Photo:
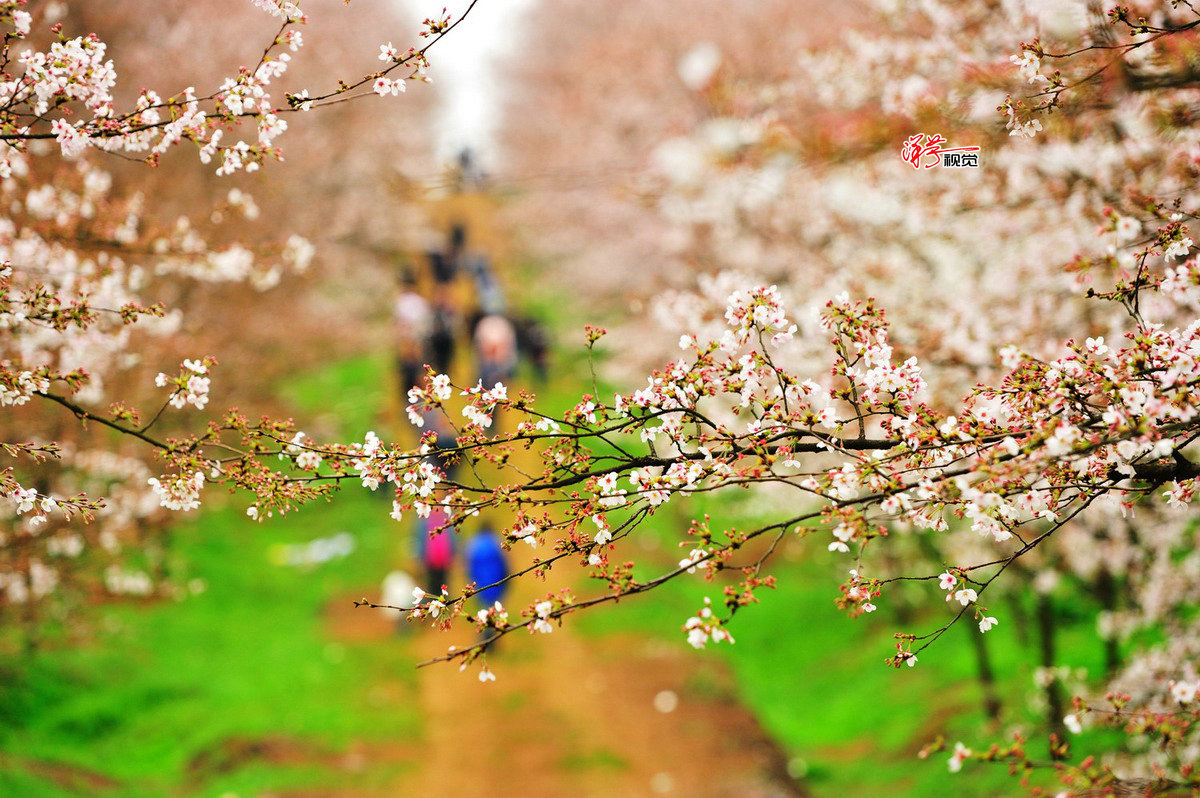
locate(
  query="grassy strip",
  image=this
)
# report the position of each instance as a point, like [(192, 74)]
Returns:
[(236, 687), (818, 682)]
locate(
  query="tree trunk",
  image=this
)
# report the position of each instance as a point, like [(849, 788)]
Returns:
[(1054, 696), (1106, 592), (1020, 618), (30, 637), (987, 677)]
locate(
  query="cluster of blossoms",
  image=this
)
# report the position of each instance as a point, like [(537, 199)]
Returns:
[(959, 755), (494, 616), (68, 313), (1185, 692), (526, 534), (482, 403), (74, 311), (542, 612), (384, 87), (303, 454), (965, 596), (69, 92), (28, 500), (122, 582), (39, 581), (179, 492), (705, 626), (422, 399), (284, 9), (858, 594), (23, 384), (758, 311), (190, 387), (428, 605)]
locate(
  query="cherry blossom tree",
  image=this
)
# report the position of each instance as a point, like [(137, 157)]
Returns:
[(73, 78), (788, 167), (100, 263)]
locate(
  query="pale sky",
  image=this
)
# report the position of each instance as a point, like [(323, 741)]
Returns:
[(465, 72)]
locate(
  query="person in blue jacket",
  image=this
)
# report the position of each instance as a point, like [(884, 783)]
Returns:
[(487, 567)]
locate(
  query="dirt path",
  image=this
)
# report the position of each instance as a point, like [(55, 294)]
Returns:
[(571, 715)]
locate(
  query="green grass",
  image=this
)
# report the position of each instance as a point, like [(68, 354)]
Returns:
[(600, 759), (347, 398), (818, 682), (164, 691)]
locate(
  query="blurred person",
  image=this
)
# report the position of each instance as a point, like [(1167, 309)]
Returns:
[(436, 540), (487, 567), (443, 332), (489, 295), (442, 269), (533, 342), (397, 592), (495, 342), (446, 440), (444, 264), (413, 325), (456, 245), (469, 176)]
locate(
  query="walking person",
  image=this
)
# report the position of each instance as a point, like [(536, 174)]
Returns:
[(397, 596), (436, 539), (495, 349), (533, 342), (489, 294), (456, 248), (413, 319), (443, 333), (445, 441), (444, 264), (487, 567)]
